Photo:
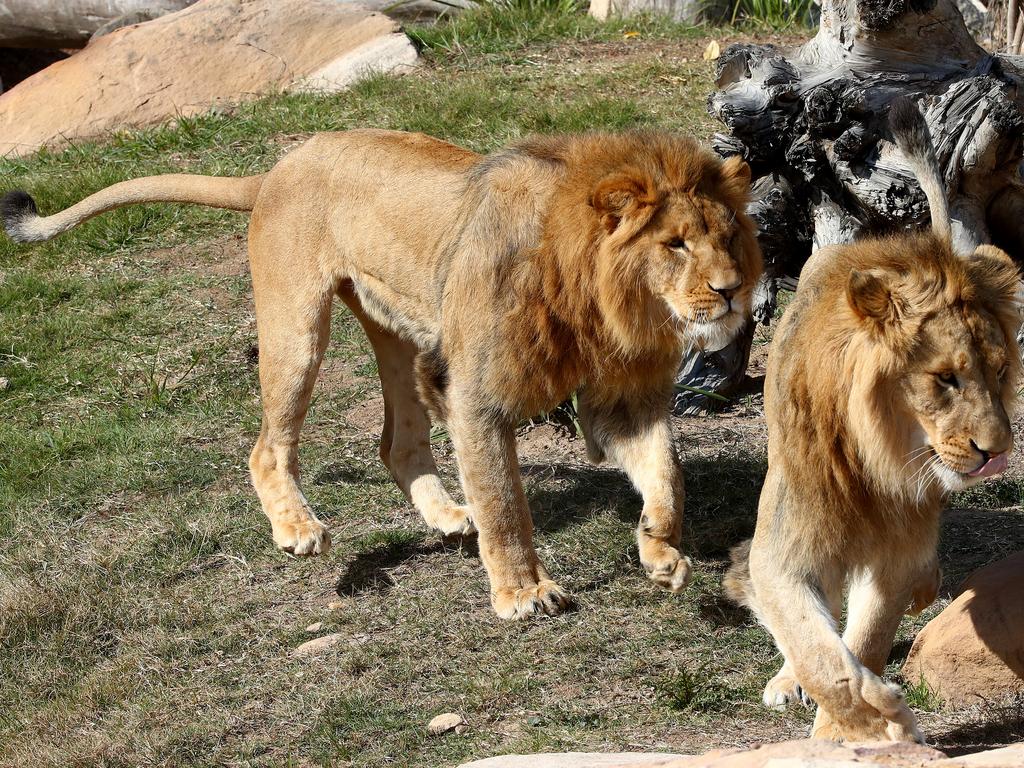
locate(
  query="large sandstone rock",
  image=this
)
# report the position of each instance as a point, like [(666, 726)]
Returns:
[(211, 53), (787, 754), (974, 650)]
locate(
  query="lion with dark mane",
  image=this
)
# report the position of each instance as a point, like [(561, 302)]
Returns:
[(490, 288), (890, 383)]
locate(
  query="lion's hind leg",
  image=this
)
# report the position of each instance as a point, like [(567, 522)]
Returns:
[(405, 438), (783, 689), (293, 322)]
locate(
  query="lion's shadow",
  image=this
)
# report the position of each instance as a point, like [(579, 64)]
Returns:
[(721, 499), (721, 510)]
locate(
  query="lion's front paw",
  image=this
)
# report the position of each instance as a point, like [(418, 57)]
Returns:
[(865, 725), (901, 732), (783, 690), (306, 537), (859, 724), (545, 598), (665, 565), (453, 520)]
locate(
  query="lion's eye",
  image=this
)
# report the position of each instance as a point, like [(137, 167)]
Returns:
[(677, 244), (948, 379)]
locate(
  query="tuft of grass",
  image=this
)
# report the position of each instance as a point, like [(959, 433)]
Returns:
[(775, 14), (999, 493), (700, 692), (922, 696), (507, 26)]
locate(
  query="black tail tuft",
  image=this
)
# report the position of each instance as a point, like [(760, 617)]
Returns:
[(909, 128), (15, 208)]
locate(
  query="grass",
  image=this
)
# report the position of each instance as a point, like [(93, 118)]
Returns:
[(775, 14), (145, 617)]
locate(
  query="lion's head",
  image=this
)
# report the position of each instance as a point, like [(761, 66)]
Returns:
[(672, 255), (939, 335)]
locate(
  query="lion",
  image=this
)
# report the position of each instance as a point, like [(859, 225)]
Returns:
[(491, 288), (890, 384)]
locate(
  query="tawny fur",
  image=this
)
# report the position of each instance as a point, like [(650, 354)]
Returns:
[(867, 436), (494, 287)]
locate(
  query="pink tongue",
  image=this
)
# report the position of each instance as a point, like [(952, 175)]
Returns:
[(993, 466)]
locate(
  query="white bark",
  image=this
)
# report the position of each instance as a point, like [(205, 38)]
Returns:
[(70, 23)]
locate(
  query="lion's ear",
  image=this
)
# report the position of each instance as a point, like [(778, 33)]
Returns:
[(986, 251), (619, 194), (995, 268), (871, 295), (736, 175)]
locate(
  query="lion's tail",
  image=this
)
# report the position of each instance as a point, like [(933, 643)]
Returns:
[(910, 131), (736, 581), (23, 223)]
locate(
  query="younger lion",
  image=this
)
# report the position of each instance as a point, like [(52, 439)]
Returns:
[(889, 385), (495, 286)]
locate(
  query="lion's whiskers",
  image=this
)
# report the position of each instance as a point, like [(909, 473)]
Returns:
[(914, 455)]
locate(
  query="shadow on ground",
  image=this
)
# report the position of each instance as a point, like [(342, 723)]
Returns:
[(721, 499)]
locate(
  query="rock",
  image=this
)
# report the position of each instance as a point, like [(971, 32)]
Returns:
[(213, 53), (335, 605), (417, 10), (575, 760), (449, 721), (318, 645), (787, 754), (315, 627), (974, 650), (993, 758), (4, 383)]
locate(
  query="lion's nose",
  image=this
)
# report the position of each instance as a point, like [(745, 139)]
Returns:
[(993, 449), (992, 462), (726, 291)]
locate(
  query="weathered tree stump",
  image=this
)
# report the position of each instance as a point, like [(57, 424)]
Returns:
[(812, 123)]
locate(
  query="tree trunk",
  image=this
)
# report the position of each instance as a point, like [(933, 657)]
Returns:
[(812, 122), (71, 23)]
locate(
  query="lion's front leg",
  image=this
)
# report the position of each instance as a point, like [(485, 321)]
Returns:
[(485, 449), (637, 436), (854, 703)]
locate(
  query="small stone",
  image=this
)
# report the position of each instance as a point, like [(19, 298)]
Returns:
[(461, 728), (315, 627), (335, 605), (318, 645), (4, 383), (449, 721)]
